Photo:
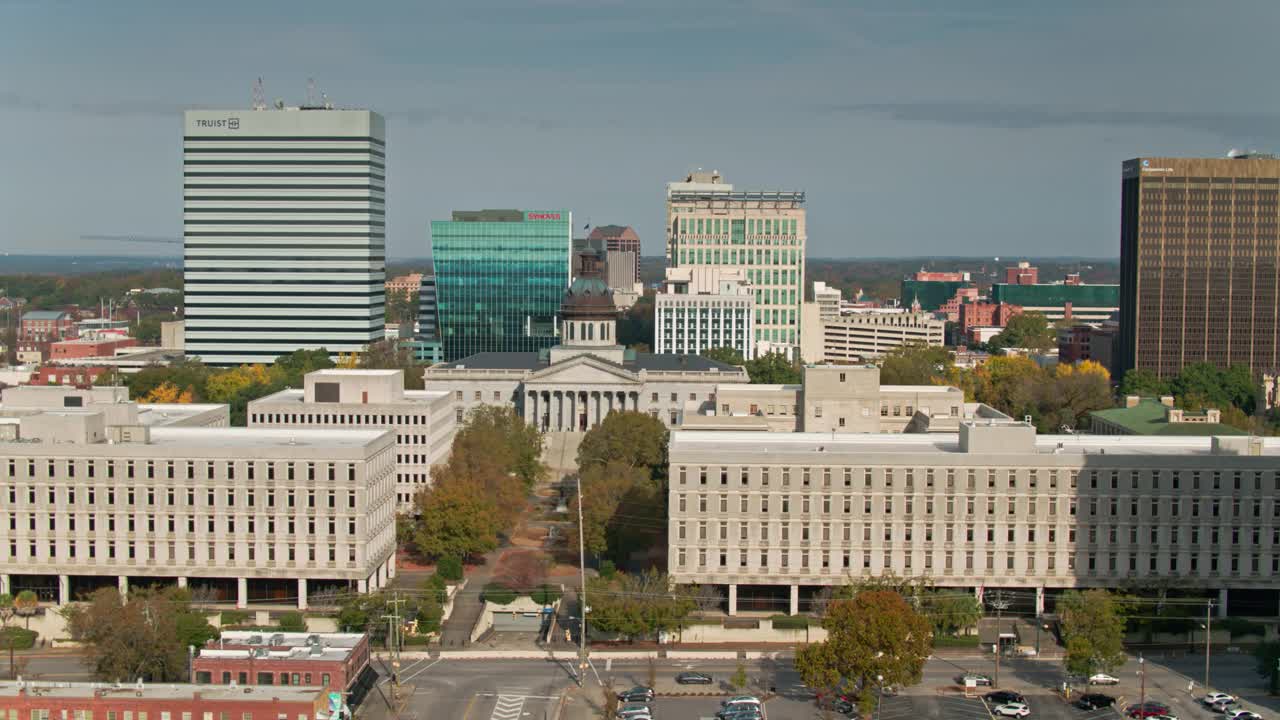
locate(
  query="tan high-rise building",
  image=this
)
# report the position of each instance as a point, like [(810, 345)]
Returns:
[(709, 224), (1199, 263)]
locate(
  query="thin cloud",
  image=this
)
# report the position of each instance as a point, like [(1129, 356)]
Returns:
[(1034, 117)]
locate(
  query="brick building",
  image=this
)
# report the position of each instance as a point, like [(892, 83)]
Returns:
[(1024, 273), (619, 238), (984, 314), (404, 285), (68, 374), (46, 326), (29, 700), (83, 348), (333, 662), (951, 308)]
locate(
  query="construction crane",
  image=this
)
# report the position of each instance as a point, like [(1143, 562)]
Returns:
[(134, 238)]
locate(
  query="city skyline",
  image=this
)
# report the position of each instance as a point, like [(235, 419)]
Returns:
[(878, 105)]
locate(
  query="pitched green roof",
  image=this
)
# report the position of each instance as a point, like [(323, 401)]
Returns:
[(1148, 418)]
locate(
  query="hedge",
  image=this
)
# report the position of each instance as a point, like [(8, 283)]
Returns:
[(449, 568), (292, 621), (498, 594), (791, 622), (959, 641), (234, 617), (21, 638)]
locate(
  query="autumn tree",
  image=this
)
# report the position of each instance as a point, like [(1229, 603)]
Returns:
[(457, 517), (1073, 391), (144, 636), (623, 463), (25, 605), (950, 611), (915, 364), (166, 393), (497, 438), (1092, 624), (875, 638)]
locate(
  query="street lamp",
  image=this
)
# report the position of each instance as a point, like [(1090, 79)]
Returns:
[(1142, 671)]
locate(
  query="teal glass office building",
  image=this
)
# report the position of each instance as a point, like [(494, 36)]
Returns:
[(500, 276)]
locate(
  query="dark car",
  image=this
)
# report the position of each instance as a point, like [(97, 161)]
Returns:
[(1000, 697), (837, 704), (636, 694), (1094, 701), (693, 678), (1146, 710)]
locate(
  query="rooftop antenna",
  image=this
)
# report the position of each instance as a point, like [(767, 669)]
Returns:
[(311, 92), (259, 97)]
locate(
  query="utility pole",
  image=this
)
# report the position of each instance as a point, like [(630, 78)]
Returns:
[(1208, 633), (582, 592), (1142, 670), (1000, 603), (393, 644)]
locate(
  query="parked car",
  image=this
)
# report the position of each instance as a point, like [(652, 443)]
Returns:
[(977, 678), (740, 700), (1241, 715), (1215, 697), (1017, 710), (740, 712), (637, 694), (1000, 697), (633, 711), (1103, 679), (1225, 706), (1165, 717), (1149, 709), (693, 678), (837, 704), (1094, 701)]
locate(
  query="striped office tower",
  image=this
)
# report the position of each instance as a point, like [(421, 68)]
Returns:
[(284, 230)]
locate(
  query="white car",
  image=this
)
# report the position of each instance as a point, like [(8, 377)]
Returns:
[(1017, 710), (633, 711), (1216, 697), (1241, 715), (1103, 679)]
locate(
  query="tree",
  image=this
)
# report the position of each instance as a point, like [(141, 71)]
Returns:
[(739, 678), (1093, 629), (430, 614), (7, 610), (25, 604), (952, 612), (726, 355), (1143, 383), (449, 568), (637, 606), (873, 639), (144, 636), (634, 439), (524, 569), (457, 518), (167, 392), (916, 364), (391, 355), (607, 491), (292, 621), (1030, 330), (496, 438), (1073, 392), (773, 368)]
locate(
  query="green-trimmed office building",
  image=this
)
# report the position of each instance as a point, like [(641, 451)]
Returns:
[(1089, 303), (500, 276)]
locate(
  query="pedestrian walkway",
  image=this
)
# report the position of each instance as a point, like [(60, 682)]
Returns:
[(455, 633)]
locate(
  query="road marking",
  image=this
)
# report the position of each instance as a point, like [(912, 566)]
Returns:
[(508, 707), (419, 672), (467, 713)]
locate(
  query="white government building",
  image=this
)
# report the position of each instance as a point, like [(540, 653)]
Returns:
[(702, 308), (773, 518), (101, 492), (283, 231)]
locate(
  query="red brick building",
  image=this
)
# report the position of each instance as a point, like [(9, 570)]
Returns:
[(63, 701), (952, 307), (1023, 273), (1075, 344), (336, 662), (46, 326), (69, 349), (68, 374), (983, 314)]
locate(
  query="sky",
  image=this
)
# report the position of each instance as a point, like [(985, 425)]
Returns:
[(916, 127)]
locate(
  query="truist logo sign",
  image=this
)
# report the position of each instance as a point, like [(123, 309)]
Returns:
[(543, 216), (225, 124)]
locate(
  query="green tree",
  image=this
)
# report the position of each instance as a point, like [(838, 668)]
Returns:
[(143, 636), (951, 611), (292, 621), (872, 639), (773, 368), (1071, 393), (739, 678), (1093, 629), (25, 604), (631, 438), (637, 606), (430, 614), (916, 364), (1030, 330), (726, 355), (449, 568), (497, 437), (1143, 383)]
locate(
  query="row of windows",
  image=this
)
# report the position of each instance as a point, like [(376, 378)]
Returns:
[(353, 419), (808, 560), (169, 497), (766, 531), (753, 226), (171, 469), (225, 552), (205, 677), (172, 522), (1010, 478)]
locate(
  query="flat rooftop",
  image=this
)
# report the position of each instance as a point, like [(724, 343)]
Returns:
[(161, 691), (939, 389), (161, 414), (754, 444), (321, 647)]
